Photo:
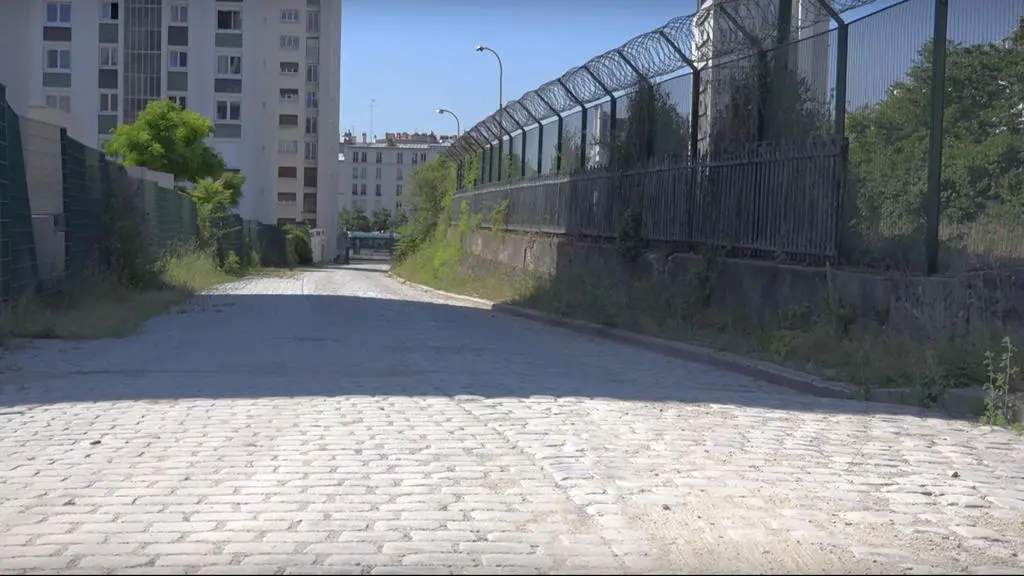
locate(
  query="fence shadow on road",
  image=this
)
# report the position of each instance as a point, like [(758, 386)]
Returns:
[(274, 346)]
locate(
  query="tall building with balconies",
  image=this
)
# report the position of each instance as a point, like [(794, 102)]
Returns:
[(265, 73)]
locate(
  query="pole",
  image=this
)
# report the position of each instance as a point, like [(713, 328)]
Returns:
[(372, 102), (932, 208)]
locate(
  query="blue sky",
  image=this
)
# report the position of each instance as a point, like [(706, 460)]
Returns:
[(413, 56)]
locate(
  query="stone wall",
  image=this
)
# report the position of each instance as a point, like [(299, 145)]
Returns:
[(992, 302)]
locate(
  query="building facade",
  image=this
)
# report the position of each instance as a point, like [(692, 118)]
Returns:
[(375, 175), (265, 73)]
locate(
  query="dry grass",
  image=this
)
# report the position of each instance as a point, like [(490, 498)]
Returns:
[(98, 307), (869, 359)]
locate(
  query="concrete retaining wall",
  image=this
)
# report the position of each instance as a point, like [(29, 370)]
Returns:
[(992, 301)]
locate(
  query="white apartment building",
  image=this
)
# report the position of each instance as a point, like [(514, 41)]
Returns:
[(374, 175), (266, 73)]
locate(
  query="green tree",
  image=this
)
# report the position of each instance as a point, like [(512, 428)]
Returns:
[(214, 200), (983, 140), (354, 220), (398, 219), (168, 139), (431, 187), (380, 219)]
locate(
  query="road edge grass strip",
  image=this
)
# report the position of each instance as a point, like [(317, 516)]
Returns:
[(771, 373), (98, 306)]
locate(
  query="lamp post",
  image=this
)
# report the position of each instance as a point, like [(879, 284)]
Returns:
[(501, 100), (458, 125), (501, 73)]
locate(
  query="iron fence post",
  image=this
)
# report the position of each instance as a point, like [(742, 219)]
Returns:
[(932, 201)]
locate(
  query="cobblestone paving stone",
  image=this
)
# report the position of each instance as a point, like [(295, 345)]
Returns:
[(340, 422)]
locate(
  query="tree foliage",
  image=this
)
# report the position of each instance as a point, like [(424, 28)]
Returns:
[(431, 187), (354, 220), (168, 139), (983, 139), (380, 220)]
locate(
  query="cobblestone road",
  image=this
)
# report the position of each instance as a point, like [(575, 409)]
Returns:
[(340, 422)]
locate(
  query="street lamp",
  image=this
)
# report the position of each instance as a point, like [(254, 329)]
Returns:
[(501, 73), (458, 125)]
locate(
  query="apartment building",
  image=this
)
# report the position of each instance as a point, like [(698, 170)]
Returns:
[(266, 73), (375, 174)]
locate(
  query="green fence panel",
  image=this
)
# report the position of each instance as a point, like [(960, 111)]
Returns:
[(19, 271)]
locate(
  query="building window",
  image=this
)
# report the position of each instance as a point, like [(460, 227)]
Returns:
[(363, 155), (377, 175), (311, 122), (228, 65), (289, 42), (362, 173), (413, 158), (362, 189), (177, 60), (288, 120), (398, 173), (398, 190), (179, 100), (286, 197), (312, 49), (289, 67), (313, 22), (58, 59), (355, 172), (309, 177), (60, 102), (376, 191), (355, 189), (109, 11), (229, 110), (289, 15), (229, 20), (311, 100), (289, 94), (380, 158), (58, 13), (108, 56), (108, 101), (312, 73), (423, 157), (287, 146), (400, 158), (179, 13), (287, 172), (311, 151)]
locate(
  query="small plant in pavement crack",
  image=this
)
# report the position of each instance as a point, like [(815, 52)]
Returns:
[(999, 405)]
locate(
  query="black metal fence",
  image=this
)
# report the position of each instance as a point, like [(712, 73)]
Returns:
[(935, 164), (777, 200)]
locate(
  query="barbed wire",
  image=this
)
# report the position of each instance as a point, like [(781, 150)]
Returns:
[(741, 28)]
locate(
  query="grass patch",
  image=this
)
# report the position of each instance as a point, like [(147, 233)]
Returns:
[(100, 307), (823, 345)]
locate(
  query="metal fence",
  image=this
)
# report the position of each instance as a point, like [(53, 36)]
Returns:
[(778, 200), (66, 211), (933, 180)]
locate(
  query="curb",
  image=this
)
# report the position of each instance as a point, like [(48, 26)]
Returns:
[(767, 372)]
